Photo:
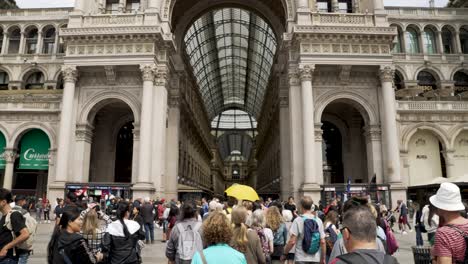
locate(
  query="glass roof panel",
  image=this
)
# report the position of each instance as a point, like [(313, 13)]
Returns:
[(231, 51)]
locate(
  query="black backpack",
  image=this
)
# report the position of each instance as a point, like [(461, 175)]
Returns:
[(465, 236), (354, 258)]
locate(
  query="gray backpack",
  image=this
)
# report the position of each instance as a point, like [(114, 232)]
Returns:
[(190, 240)]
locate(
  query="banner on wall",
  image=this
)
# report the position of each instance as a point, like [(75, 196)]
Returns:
[(34, 151), (2, 151)]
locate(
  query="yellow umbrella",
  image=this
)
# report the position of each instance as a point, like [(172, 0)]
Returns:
[(242, 192)]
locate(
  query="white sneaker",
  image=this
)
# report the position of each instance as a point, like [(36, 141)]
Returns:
[(411, 230), (404, 233)]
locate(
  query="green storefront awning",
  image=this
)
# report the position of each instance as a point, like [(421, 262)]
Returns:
[(2, 151), (34, 151)]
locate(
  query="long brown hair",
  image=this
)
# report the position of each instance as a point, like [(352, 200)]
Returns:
[(90, 223), (239, 232), (273, 218)]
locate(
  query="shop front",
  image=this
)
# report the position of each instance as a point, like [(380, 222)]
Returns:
[(100, 192), (377, 193)]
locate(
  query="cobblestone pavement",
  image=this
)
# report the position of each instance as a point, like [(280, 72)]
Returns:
[(155, 253)]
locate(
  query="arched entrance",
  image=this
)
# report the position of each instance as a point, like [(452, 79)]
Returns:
[(344, 148), (112, 143), (31, 166)]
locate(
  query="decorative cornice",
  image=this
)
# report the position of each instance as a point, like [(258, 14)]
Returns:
[(69, 73), (386, 74), (305, 72), (147, 71), (344, 30)]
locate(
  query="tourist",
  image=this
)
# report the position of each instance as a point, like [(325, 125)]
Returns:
[(120, 243), (172, 219), (450, 245), (217, 234), (11, 221), (245, 240), (359, 232), (165, 215), (67, 245), (288, 217), (265, 234), (47, 207), (188, 225), (136, 216), (403, 218), (332, 233), (58, 210), (339, 247), (39, 210), (148, 220), (418, 225), (430, 219), (92, 230), (297, 235), (204, 207), (274, 221)]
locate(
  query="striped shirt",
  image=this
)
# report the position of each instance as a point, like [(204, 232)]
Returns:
[(450, 243)]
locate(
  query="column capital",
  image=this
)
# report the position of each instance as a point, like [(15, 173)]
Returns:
[(84, 132), (372, 133), (386, 73), (10, 155), (161, 76), (69, 73), (305, 72), (293, 77), (147, 71)]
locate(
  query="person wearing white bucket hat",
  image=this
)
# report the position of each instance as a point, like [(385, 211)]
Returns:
[(450, 242)]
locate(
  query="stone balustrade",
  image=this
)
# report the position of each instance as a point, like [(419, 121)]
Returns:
[(432, 106), (342, 19), (425, 11), (36, 12), (111, 19)]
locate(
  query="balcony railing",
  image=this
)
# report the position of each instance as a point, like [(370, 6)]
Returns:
[(342, 19), (112, 19), (35, 12), (426, 11), (432, 106)]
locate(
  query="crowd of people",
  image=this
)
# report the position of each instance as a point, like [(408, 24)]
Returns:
[(230, 231)]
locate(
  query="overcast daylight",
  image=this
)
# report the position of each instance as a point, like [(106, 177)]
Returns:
[(68, 3)]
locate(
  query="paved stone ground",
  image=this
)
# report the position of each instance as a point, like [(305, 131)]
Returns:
[(155, 253)]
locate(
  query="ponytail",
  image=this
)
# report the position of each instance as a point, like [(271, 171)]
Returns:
[(122, 209)]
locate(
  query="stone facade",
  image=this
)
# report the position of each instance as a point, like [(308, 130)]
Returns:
[(81, 74)]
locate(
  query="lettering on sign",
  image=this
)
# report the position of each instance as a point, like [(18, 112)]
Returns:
[(421, 157), (31, 154)]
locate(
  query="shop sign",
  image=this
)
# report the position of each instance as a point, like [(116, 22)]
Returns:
[(34, 151)]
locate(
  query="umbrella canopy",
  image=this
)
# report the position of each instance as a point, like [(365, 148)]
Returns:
[(242, 192)]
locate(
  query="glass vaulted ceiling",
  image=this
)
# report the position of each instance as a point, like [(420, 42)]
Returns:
[(231, 52)]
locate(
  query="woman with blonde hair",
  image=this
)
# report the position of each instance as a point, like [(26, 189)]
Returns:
[(245, 240), (264, 233), (92, 229), (275, 222), (217, 234)]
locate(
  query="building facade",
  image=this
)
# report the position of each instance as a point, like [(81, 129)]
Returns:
[(183, 98)]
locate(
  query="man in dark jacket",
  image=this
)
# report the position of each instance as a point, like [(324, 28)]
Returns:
[(147, 213), (359, 232)]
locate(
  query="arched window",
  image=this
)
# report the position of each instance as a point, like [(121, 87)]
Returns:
[(398, 81), (464, 40), (4, 80), (132, 6), (398, 47), (324, 6), (112, 6), (345, 6), (461, 82), (412, 41), (14, 43), (447, 38), (427, 81), (31, 41), (49, 41), (429, 41), (35, 80), (60, 82)]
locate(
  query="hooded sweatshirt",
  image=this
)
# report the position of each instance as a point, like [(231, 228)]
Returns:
[(118, 248), (74, 247)]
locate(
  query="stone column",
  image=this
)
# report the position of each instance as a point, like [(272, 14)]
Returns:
[(378, 5), (372, 135), (449, 163), (144, 185), (295, 128), (22, 43), (10, 157), (390, 136), (310, 186), (303, 12), (159, 127), (5, 43), (284, 145), (458, 49), (172, 145), (57, 41), (84, 138), (40, 42), (319, 152), (440, 44), (69, 74)]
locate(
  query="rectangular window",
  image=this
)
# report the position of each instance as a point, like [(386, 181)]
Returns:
[(343, 7), (322, 7)]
